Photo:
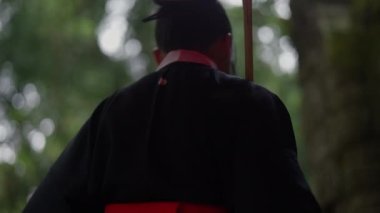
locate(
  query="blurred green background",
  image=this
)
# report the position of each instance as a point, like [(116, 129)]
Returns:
[(60, 58)]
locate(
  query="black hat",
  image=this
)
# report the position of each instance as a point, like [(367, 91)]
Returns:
[(169, 7), (189, 24)]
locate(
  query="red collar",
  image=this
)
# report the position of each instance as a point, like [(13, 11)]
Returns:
[(186, 56)]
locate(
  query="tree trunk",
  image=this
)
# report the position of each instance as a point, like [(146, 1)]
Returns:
[(338, 42)]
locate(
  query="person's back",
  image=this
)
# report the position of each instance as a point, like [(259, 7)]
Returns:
[(211, 138), (187, 133)]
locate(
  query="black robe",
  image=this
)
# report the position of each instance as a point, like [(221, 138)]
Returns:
[(201, 136)]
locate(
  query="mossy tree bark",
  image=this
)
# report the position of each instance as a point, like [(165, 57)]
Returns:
[(338, 42)]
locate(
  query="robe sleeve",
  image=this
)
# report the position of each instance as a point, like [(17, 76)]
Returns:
[(288, 187), (268, 177), (65, 189)]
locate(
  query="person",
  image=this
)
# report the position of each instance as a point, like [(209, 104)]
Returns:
[(188, 134)]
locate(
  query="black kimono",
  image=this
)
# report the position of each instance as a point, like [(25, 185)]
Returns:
[(184, 133)]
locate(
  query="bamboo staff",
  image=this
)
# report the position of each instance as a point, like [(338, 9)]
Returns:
[(248, 37)]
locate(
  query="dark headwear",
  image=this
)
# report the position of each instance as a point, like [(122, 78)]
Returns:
[(189, 24)]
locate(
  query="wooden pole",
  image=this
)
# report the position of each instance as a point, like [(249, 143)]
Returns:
[(248, 37)]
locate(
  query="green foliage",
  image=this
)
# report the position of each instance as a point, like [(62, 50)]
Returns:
[(53, 45)]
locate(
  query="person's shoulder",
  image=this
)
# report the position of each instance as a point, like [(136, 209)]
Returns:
[(246, 90), (137, 89), (144, 84), (252, 97), (130, 93)]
